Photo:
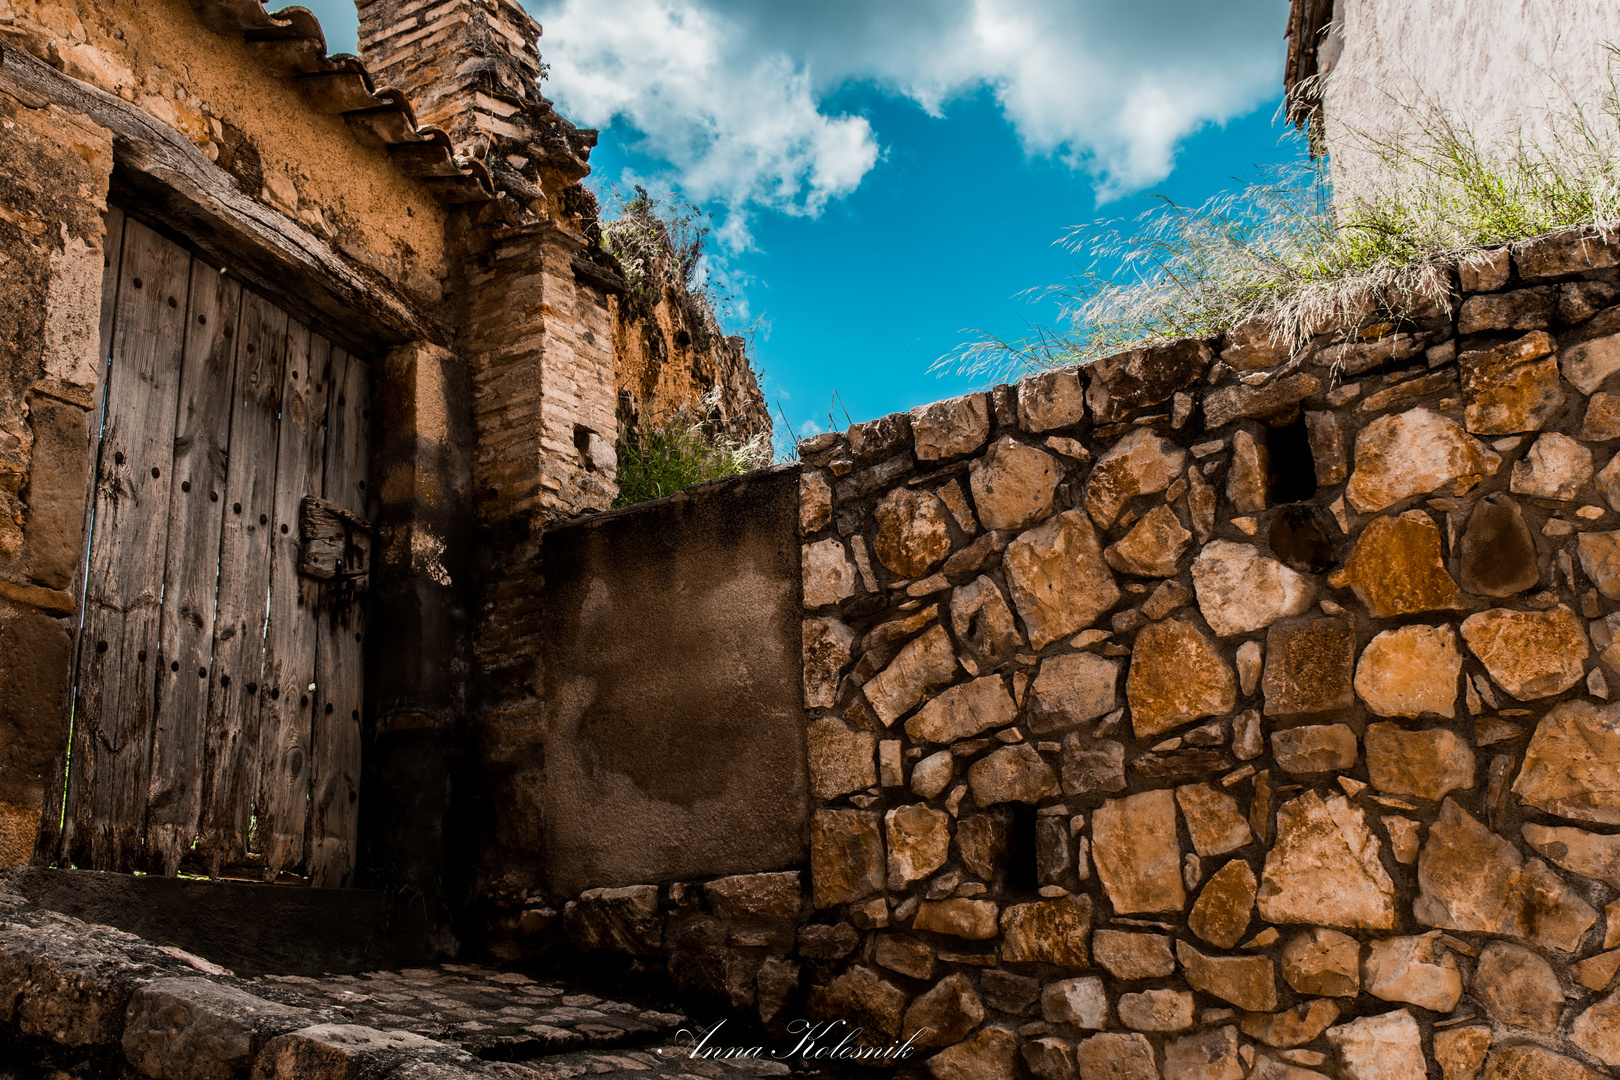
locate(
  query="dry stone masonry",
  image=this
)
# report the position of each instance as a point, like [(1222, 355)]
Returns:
[(1213, 712)]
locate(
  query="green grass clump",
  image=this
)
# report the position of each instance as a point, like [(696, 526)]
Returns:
[(1284, 250), (660, 457)]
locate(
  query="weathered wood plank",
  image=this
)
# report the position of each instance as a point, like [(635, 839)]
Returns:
[(190, 583), (339, 675), (48, 846), (231, 745), (113, 724), (289, 643)]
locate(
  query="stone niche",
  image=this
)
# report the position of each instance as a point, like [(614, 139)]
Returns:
[(674, 740)]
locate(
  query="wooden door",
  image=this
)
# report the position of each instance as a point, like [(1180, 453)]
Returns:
[(217, 697)]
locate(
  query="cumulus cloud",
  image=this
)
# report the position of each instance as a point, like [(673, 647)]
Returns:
[(732, 93)]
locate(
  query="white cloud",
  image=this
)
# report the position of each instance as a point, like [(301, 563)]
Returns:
[(731, 93)]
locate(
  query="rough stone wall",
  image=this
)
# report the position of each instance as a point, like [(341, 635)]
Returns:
[(54, 168), (1384, 62), (1210, 712)]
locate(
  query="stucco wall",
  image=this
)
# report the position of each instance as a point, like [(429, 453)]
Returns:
[(1503, 67)]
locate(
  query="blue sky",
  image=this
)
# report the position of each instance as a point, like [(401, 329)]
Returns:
[(887, 176)]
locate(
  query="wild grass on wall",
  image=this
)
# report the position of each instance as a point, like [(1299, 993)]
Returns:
[(1284, 249), (671, 453)]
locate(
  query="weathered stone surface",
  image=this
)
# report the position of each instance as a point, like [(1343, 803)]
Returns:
[(1427, 763), (1136, 379), (1530, 654), (1600, 558), (1323, 962), (1059, 581), (1597, 972), (1517, 987), (1327, 448), (1156, 1010), (1608, 482), (1410, 671), (1597, 1030), (1249, 982), (1469, 878), (1308, 667), (194, 1029), (1246, 484), (1414, 453), (919, 840), (1137, 852), (1239, 590), (1090, 770), (1460, 1051), (1414, 970), (1177, 676), (945, 1014), (1112, 1056), (1222, 912), (981, 844), (1557, 467), (971, 919), (925, 664), (1082, 1002), (1141, 463), (823, 942), (1292, 1027), (343, 1050), (755, 896), (1053, 859), (911, 535), (1207, 1055), (1200, 504), (1513, 387), (1047, 931), (984, 623), (1275, 398), (1315, 748), (950, 428), (1578, 301), (932, 774), (1602, 420), (815, 502), (1012, 774), (906, 955), (1572, 766), (827, 646), (861, 998), (846, 856), (1324, 868), (1072, 689), (1593, 855), (963, 711), (873, 440), (1498, 550), (841, 760), (1520, 309), (1590, 363), (1127, 955), (1530, 1062), (828, 574), (1013, 483), (990, 1054), (1384, 1047), (1214, 821), (623, 920), (1049, 1059), (1153, 547), (1051, 400), (1395, 568)]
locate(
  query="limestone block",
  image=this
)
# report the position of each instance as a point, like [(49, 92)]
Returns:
[(925, 664), (1207, 1055), (1384, 1047), (1051, 400), (1140, 463), (981, 844), (1590, 363), (950, 428), (625, 920), (1059, 582), (911, 534), (1291, 1027), (1511, 388), (822, 942), (1410, 671), (1572, 765), (1327, 448), (828, 644), (984, 624), (1090, 770), (1324, 868), (1600, 559), (841, 760), (1520, 309), (1414, 970), (347, 1050), (1222, 911), (1011, 774), (1315, 748), (1557, 467), (1047, 932), (1249, 982), (1428, 764), (1255, 344), (1460, 1051), (945, 1014), (1498, 551), (1157, 1010), (990, 1054), (1530, 654), (1137, 852), (1081, 1002), (919, 842), (877, 439), (1597, 1030), (932, 774), (1114, 1056), (1517, 987), (1308, 667), (1176, 676), (1013, 484), (1240, 591), (815, 502), (829, 576), (1323, 962), (1246, 484), (964, 711), (1485, 271), (195, 1029), (1593, 855), (1527, 1061), (1239, 401), (1602, 420), (1214, 821), (846, 856), (1608, 481), (1395, 567), (1153, 547), (772, 896), (971, 919), (1072, 689), (1414, 453), (861, 998), (1127, 955)]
